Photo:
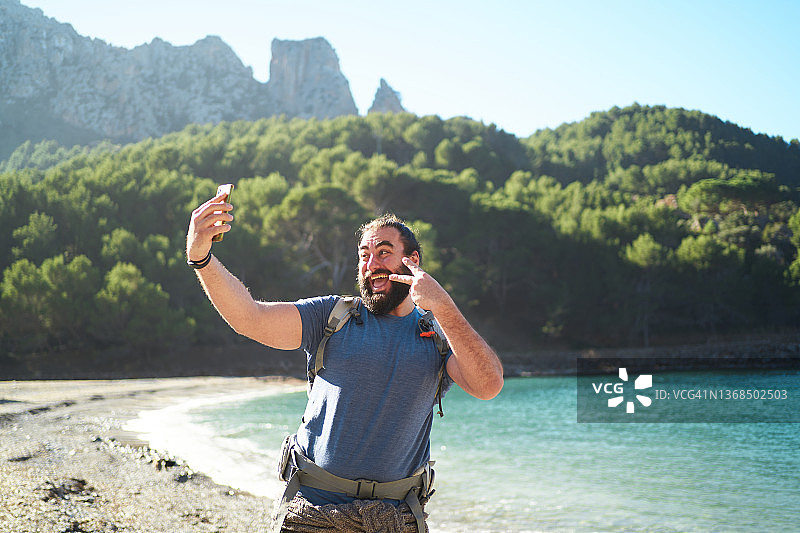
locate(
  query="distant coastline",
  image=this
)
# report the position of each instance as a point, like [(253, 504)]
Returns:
[(252, 359), (767, 351)]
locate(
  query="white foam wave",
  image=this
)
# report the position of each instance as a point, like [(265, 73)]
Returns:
[(237, 462)]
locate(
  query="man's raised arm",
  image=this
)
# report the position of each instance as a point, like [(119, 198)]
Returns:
[(275, 324)]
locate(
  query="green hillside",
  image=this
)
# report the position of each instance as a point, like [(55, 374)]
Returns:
[(635, 226)]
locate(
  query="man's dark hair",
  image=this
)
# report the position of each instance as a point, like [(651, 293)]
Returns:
[(409, 240)]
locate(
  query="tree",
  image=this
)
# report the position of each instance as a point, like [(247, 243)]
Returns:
[(711, 271), (71, 285), (23, 300), (425, 134), (378, 183), (318, 224), (450, 155), (319, 168), (651, 258), (37, 238), (121, 246), (131, 309)]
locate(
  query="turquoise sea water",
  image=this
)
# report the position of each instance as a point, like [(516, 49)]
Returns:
[(521, 462)]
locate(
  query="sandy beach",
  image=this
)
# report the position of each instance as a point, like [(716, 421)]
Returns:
[(68, 465)]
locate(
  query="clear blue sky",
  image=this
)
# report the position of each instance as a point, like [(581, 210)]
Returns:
[(521, 64)]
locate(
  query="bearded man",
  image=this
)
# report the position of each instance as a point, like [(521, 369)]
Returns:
[(360, 458)]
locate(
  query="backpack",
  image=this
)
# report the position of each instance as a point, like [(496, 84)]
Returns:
[(349, 307)]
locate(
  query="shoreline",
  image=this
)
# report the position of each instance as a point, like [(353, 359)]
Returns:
[(248, 359), (69, 461)]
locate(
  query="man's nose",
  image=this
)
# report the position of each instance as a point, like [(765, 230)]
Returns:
[(373, 263)]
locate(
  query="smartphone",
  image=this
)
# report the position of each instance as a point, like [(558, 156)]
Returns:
[(226, 189)]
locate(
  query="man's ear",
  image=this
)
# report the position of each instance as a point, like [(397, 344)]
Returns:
[(414, 257)]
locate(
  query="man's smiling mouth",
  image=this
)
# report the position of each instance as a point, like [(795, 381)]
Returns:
[(379, 281)]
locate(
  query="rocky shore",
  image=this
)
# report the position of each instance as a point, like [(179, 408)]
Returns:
[(67, 464)]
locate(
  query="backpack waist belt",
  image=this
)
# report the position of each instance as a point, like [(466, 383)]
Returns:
[(302, 471)]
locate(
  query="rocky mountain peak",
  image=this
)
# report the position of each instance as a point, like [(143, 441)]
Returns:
[(56, 84), (305, 80), (386, 100)]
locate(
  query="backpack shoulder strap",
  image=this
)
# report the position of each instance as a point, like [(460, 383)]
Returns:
[(346, 306), (429, 327)]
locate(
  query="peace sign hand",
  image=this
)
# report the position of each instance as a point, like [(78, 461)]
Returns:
[(425, 290)]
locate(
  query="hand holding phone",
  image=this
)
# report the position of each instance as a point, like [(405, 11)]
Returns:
[(226, 189)]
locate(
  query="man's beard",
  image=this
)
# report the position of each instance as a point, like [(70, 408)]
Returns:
[(383, 303)]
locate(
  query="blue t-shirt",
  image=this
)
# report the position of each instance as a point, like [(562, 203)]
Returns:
[(370, 410)]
